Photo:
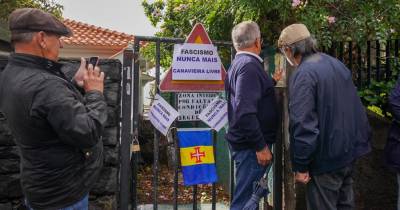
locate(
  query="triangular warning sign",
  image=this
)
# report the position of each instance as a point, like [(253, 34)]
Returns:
[(197, 36)]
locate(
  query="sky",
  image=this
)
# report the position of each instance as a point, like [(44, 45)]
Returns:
[(121, 15)]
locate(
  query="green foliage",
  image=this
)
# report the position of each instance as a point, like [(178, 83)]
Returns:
[(165, 54), (375, 96), (328, 20), (7, 6), (379, 111)]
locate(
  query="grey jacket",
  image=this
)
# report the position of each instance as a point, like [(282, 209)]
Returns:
[(56, 129)]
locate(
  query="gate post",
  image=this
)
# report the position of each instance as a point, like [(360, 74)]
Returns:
[(288, 176), (278, 150), (135, 121), (126, 120)]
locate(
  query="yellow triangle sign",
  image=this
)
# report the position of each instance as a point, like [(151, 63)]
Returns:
[(198, 40)]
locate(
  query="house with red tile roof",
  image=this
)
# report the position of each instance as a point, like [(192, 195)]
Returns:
[(89, 40)]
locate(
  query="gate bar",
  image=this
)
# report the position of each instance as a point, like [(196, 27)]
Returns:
[(378, 59), (156, 134), (176, 160), (359, 67), (195, 197), (332, 50), (351, 56), (396, 52), (388, 71), (368, 63), (214, 187), (232, 164), (341, 51), (175, 40), (195, 187)]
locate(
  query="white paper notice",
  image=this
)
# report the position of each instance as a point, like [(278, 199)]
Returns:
[(162, 115), (190, 105), (196, 62), (215, 114)]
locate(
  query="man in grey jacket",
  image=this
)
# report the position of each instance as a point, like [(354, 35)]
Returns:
[(57, 129)]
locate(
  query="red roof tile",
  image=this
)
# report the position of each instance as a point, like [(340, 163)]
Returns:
[(85, 34)]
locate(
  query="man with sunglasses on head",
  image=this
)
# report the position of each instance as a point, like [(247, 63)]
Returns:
[(57, 128), (329, 128), (252, 112)]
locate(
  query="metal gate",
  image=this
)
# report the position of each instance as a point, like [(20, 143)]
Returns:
[(129, 155)]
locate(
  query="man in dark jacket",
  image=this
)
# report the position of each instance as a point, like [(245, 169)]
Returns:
[(56, 128), (392, 148), (329, 128), (252, 112)]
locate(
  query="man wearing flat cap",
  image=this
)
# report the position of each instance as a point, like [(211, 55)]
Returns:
[(329, 128), (57, 121)]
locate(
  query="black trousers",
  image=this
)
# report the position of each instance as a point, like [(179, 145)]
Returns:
[(331, 191)]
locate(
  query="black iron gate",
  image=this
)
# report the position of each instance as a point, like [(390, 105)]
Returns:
[(130, 133)]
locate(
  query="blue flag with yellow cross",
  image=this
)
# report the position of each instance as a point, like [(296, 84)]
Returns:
[(197, 156)]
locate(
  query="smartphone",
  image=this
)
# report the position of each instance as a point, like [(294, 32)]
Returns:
[(93, 60)]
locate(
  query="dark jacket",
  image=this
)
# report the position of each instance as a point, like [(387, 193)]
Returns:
[(57, 131), (252, 108), (329, 127), (392, 148)]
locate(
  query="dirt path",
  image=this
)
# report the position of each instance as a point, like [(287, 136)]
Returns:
[(166, 188)]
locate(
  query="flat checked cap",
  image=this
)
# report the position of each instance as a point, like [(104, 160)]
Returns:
[(293, 34), (33, 20)]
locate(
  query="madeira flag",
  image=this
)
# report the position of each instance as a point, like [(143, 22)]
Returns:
[(197, 156)]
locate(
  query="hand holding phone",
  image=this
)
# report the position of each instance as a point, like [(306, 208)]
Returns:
[(84, 67), (94, 60), (93, 78)]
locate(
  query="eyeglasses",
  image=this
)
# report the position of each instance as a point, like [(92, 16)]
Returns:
[(282, 51)]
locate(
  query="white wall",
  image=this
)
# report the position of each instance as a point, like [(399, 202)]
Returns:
[(75, 51)]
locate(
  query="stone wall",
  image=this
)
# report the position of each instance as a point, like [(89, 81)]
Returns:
[(375, 187), (104, 194)]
